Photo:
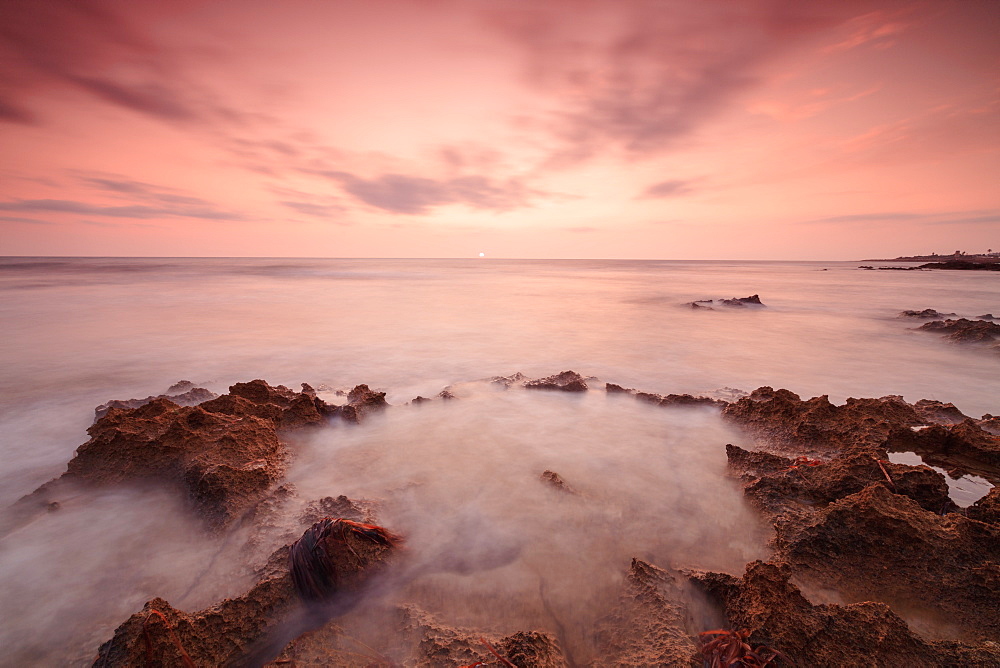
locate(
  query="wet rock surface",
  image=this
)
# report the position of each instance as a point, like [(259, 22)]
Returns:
[(964, 330), (647, 626), (927, 313), (567, 381), (735, 302), (783, 419), (766, 603), (665, 399)]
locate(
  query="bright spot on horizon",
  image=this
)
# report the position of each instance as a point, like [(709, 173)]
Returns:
[(482, 255)]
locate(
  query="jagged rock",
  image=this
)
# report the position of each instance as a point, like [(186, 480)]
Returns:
[(225, 454), (782, 418), (964, 330), (285, 408), (646, 627), (509, 381), (343, 507), (567, 381), (933, 411), (966, 439), (678, 399), (987, 316), (990, 424), (876, 545), (362, 402), (766, 603), (183, 394), (440, 645), (665, 399), (986, 509), (752, 300), (160, 635), (926, 313), (236, 631), (777, 483), (556, 481)]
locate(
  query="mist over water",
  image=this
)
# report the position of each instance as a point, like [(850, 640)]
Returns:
[(458, 478)]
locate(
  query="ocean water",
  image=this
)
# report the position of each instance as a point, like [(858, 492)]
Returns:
[(461, 475)]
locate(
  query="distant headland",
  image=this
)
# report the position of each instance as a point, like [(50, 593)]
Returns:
[(990, 256)]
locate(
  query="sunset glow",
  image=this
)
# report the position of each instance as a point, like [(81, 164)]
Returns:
[(437, 128)]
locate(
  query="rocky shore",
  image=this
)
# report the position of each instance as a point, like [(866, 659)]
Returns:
[(872, 562)]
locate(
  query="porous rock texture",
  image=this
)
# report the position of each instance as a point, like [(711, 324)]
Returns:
[(767, 604)]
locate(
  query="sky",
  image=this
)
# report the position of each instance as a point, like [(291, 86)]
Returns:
[(661, 129)]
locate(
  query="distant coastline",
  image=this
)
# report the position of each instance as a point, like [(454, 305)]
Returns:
[(988, 257)]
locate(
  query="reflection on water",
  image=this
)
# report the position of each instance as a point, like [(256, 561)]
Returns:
[(964, 490)]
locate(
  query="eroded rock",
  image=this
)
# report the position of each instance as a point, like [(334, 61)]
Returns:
[(567, 381), (964, 330), (646, 627), (183, 393), (883, 546), (766, 603), (927, 313), (781, 418)]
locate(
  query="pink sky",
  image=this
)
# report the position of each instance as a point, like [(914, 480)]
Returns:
[(743, 129)]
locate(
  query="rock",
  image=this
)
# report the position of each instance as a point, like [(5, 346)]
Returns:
[(556, 481), (567, 381), (611, 388), (224, 454), (340, 507), (646, 626), (509, 381), (160, 635), (438, 644), (986, 509), (182, 394), (964, 330), (876, 545), (678, 400), (936, 412), (285, 408), (987, 316), (361, 403), (966, 439), (776, 484), (962, 264), (238, 631), (774, 611), (781, 418), (335, 556), (926, 313), (990, 424), (752, 300)]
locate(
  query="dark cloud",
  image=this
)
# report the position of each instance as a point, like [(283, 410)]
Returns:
[(313, 209), (975, 217), (29, 221), (660, 70), (138, 190), (671, 188), (75, 43), (130, 211), (416, 195)]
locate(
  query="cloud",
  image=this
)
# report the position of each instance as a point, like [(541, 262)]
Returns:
[(313, 209), (639, 76), (77, 43), (130, 211), (29, 221), (416, 195), (974, 217), (671, 188)]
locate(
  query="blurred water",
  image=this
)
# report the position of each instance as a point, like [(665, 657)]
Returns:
[(78, 332)]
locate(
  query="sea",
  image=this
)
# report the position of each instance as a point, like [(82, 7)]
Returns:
[(458, 476)]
